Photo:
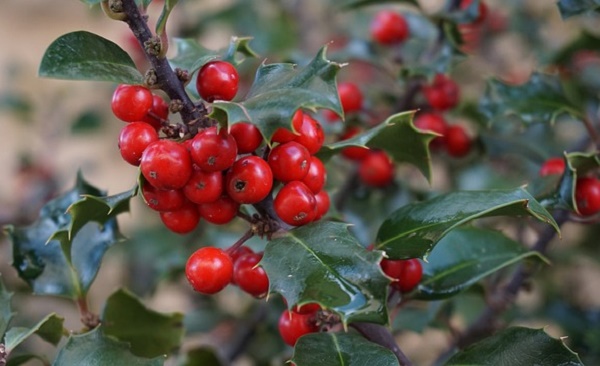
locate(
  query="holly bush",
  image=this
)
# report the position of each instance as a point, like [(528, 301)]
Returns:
[(336, 177)]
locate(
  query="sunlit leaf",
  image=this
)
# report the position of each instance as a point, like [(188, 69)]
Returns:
[(49, 329)]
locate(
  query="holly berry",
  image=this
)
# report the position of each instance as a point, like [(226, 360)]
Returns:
[(247, 137), (323, 203), (309, 308), (161, 199), (213, 151), (293, 325), (166, 164), (309, 132), (316, 176), (389, 27), (587, 195), (289, 161), (249, 180), (295, 204), (204, 187), (183, 220), (283, 135), (158, 112), (552, 166), (442, 94), (351, 97), (353, 152), (209, 270), (458, 143), (482, 10), (250, 277), (131, 103), (238, 253), (219, 212), (134, 139), (432, 122), (406, 273), (376, 170), (217, 80)]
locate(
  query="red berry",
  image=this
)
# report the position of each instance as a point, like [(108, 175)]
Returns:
[(134, 139), (442, 94), (309, 308), (458, 143), (209, 270), (130, 103), (294, 325), (240, 252), (247, 137), (166, 164), (295, 204), (350, 96), (283, 135), (183, 220), (289, 161), (323, 203), (213, 151), (482, 10), (432, 122), (249, 180), (376, 170), (217, 80), (250, 277), (353, 152), (158, 112), (406, 273), (219, 212), (316, 176), (203, 187), (310, 132), (162, 200), (389, 27), (553, 166), (587, 195)]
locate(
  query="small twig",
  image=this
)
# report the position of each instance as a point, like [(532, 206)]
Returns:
[(591, 129), (235, 246), (382, 336), (89, 319)]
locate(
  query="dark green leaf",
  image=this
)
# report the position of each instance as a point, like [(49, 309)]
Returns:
[(201, 356), (353, 4), (86, 56), (49, 329), (323, 263), (398, 136), (42, 262), (340, 349), (149, 333), (6, 312), (517, 346), (413, 230), (541, 99), (281, 89), (569, 8), (96, 349), (465, 256)]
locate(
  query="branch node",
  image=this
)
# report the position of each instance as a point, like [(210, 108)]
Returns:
[(111, 11), (183, 75), (153, 46), (175, 106), (150, 78)]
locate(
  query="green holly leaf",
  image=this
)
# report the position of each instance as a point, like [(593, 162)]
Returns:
[(464, 257), (96, 349), (49, 329), (6, 312), (517, 346), (86, 56), (413, 230), (323, 263), (281, 89), (569, 8), (149, 333), (23, 359), (340, 349), (398, 136), (42, 263), (354, 4), (541, 99), (201, 356)]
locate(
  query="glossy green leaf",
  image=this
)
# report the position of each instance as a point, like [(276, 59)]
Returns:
[(464, 257), (96, 349), (413, 230), (281, 89), (340, 349), (49, 329), (149, 333), (42, 262), (517, 346), (398, 136), (6, 312), (161, 24), (569, 8), (323, 263), (86, 56), (541, 99), (354, 4)]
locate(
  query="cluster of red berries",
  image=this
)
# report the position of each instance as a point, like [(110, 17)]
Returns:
[(453, 138), (406, 273), (587, 189), (471, 32)]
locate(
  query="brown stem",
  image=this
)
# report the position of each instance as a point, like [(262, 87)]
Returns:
[(382, 336), (247, 235), (89, 319), (194, 115), (594, 136)]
